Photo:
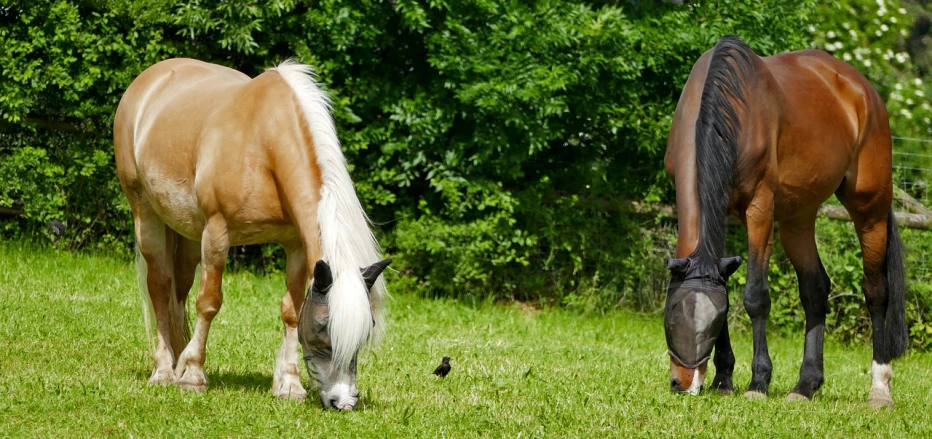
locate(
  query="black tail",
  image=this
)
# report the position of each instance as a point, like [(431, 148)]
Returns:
[(718, 128), (896, 334)]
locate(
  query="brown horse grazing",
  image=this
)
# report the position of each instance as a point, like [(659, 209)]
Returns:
[(769, 139), (210, 158)]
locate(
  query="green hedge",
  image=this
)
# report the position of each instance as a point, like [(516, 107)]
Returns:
[(494, 143)]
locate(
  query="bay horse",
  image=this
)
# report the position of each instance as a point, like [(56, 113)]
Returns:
[(768, 139), (210, 158)]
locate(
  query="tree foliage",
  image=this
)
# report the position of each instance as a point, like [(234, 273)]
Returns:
[(493, 142)]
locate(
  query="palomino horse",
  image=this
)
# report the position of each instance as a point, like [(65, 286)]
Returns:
[(769, 139), (210, 158)]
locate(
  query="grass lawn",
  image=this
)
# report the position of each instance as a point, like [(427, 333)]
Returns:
[(74, 363)]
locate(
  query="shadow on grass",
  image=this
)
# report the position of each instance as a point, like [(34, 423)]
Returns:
[(245, 381), (252, 382)]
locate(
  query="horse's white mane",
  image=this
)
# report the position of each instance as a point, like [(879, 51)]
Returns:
[(346, 240)]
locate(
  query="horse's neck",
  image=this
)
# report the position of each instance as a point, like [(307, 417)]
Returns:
[(687, 201)]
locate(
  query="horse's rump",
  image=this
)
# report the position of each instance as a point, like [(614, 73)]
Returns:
[(200, 139)]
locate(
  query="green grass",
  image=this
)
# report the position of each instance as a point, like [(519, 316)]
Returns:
[(74, 363)]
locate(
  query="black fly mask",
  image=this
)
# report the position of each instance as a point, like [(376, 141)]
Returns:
[(697, 303)]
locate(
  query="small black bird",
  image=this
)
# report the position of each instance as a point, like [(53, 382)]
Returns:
[(444, 368)]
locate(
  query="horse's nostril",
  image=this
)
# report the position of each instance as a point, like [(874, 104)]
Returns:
[(674, 383), (333, 402)]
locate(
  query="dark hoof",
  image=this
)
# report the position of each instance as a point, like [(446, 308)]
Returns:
[(762, 389), (723, 386)]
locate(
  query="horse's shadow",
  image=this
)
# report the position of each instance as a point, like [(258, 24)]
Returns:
[(259, 383), (252, 382)]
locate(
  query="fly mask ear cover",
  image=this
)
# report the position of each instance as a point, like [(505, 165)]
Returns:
[(697, 301)]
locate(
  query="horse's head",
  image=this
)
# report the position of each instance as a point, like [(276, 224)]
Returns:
[(337, 385), (696, 310)]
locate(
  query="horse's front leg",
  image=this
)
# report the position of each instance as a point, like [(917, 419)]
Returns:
[(724, 360), (286, 381), (759, 221), (214, 248)]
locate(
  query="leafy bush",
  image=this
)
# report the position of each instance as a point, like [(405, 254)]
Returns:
[(496, 144)]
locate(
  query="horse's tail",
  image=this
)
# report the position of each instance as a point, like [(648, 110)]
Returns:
[(718, 128), (179, 331), (346, 241), (896, 335)]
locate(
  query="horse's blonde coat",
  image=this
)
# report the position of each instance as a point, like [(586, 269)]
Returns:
[(210, 158), (346, 241)]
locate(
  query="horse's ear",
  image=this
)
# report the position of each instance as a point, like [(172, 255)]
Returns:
[(728, 266), (372, 272), (677, 266), (323, 278)]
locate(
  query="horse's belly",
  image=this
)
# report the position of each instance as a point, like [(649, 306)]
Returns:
[(802, 192), (262, 232)]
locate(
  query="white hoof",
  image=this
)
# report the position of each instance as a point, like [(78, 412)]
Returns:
[(879, 399), (291, 389), (162, 376), (191, 377)]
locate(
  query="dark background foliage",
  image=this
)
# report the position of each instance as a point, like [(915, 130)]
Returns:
[(496, 144)]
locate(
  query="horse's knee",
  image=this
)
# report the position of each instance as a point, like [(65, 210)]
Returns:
[(209, 302), (757, 299), (290, 310)]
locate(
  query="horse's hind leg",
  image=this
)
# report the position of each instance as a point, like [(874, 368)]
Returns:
[(186, 257), (872, 232), (155, 242), (214, 248), (286, 382), (798, 238), (870, 214)]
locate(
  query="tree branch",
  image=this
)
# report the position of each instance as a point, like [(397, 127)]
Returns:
[(54, 125), (12, 211), (909, 202)]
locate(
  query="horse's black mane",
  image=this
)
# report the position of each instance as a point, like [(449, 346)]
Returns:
[(718, 128)]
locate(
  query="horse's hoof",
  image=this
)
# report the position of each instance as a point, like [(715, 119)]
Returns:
[(162, 377), (192, 379), (725, 392), (753, 394), (293, 393), (793, 396), (193, 387), (879, 403), (879, 400)]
